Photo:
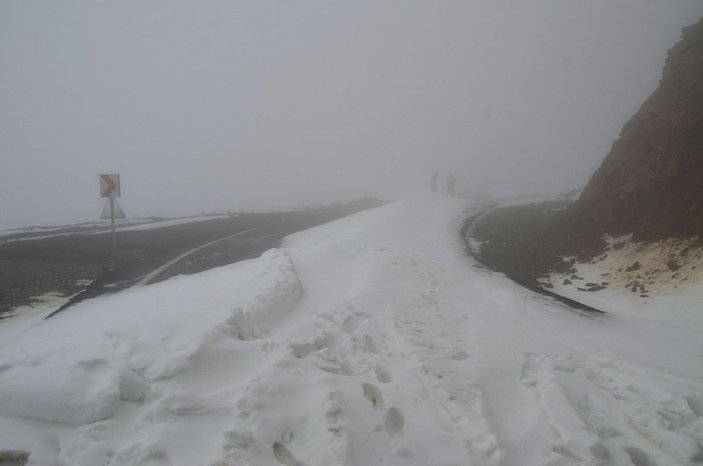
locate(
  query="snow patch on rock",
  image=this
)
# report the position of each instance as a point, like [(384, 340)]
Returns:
[(662, 267)]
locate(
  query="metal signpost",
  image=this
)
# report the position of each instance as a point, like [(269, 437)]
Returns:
[(110, 187)]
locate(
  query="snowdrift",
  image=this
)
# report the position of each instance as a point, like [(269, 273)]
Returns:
[(370, 340)]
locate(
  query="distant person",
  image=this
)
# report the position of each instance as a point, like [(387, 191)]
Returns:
[(451, 185), (433, 182)]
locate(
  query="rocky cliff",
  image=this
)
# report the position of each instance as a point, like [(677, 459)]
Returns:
[(649, 189), (651, 182)]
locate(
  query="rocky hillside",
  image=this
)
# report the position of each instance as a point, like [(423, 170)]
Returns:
[(651, 182), (639, 222)]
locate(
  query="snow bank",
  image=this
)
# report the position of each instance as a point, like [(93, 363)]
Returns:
[(369, 340), (253, 319), (62, 390), (77, 367)]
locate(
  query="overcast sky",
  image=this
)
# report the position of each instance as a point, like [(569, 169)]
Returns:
[(259, 105)]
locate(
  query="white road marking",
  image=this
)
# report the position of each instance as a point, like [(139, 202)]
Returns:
[(168, 264)]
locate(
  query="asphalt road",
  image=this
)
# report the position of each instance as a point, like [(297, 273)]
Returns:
[(67, 263), (515, 270)]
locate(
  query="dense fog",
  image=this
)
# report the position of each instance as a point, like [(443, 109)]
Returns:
[(259, 105)]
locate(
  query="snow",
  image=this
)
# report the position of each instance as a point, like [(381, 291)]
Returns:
[(370, 340)]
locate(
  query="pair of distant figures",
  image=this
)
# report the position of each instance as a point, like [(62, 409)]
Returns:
[(451, 184)]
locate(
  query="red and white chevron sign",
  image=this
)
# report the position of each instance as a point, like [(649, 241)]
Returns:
[(110, 185)]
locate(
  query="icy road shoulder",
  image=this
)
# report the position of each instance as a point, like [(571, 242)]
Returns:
[(369, 340)]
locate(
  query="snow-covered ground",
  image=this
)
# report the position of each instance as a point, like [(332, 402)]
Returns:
[(370, 340)]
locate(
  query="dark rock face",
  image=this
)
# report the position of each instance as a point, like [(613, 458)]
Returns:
[(650, 185), (651, 182)]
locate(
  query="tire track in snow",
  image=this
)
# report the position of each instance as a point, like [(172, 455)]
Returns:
[(434, 332), (607, 412)]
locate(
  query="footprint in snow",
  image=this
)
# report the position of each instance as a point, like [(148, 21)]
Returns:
[(342, 369), (383, 376), (370, 345), (157, 458), (284, 456), (373, 394), (395, 422), (303, 350), (459, 354), (638, 457)]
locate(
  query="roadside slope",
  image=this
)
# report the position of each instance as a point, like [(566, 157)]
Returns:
[(646, 198)]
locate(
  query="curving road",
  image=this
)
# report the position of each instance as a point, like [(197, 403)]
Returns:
[(147, 256), (246, 242)]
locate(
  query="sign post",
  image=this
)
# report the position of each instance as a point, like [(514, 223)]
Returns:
[(110, 187)]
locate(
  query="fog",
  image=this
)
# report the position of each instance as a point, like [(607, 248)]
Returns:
[(259, 105)]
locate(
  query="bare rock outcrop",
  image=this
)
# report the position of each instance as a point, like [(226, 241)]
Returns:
[(638, 223), (651, 182)]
